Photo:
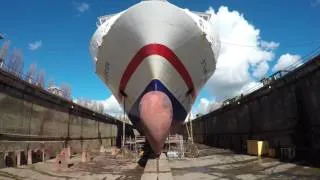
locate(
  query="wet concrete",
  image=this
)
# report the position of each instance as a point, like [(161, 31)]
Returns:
[(216, 163)]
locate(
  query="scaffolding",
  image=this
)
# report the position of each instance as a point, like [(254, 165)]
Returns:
[(173, 143)]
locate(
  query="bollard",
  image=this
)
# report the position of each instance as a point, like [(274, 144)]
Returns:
[(102, 149), (85, 156)]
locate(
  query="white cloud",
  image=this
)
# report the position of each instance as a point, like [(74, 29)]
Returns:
[(35, 45), (82, 7), (269, 45), (261, 70), (287, 60), (111, 106), (205, 106), (241, 49)]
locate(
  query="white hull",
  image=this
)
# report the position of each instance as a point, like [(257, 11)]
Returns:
[(154, 41)]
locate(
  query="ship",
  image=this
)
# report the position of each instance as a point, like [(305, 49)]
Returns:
[(155, 57)]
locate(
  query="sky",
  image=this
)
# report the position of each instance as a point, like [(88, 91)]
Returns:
[(257, 39)]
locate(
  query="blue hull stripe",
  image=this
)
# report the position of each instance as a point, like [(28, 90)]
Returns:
[(179, 113)]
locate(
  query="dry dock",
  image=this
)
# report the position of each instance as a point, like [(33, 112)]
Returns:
[(212, 164)]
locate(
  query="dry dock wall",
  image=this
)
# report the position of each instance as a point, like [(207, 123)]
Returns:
[(33, 119), (286, 114)]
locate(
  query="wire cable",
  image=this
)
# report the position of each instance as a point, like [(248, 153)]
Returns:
[(259, 45)]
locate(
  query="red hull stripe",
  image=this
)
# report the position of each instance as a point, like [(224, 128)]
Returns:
[(161, 50)]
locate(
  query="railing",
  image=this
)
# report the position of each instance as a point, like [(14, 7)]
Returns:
[(34, 82), (103, 19), (20, 75), (267, 80)]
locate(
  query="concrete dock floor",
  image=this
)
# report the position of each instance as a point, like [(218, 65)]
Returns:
[(213, 164), (103, 167), (224, 164)]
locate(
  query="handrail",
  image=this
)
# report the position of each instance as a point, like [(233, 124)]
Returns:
[(267, 80)]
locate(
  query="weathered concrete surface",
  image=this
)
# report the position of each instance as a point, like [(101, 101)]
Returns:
[(224, 164), (103, 166), (157, 169), (213, 164), (286, 114), (26, 109), (36, 122), (29, 120), (26, 126)]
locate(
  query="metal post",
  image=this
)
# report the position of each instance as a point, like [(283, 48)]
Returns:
[(187, 127), (191, 129), (169, 141), (123, 123)]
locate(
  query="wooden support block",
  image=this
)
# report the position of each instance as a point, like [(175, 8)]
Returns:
[(152, 172), (62, 162), (102, 149), (2, 160), (66, 151), (115, 151), (151, 166), (149, 176), (29, 157), (63, 159), (18, 155), (85, 156), (165, 176), (164, 166)]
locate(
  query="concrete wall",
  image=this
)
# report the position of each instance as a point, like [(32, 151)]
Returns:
[(20, 117), (26, 126), (33, 120), (287, 114)]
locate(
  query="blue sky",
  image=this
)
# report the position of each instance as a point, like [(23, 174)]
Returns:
[(61, 31)]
